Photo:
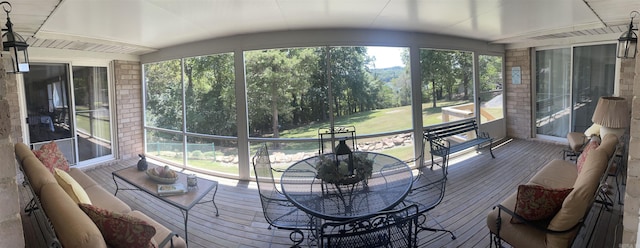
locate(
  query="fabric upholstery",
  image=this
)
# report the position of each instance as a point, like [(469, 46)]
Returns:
[(120, 230), (22, 152), (535, 202), (518, 235), (161, 231), (557, 174), (73, 227), (585, 152), (82, 178), (576, 141), (105, 199), (69, 185), (578, 201), (52, 157), (37, 174), (609, 144)]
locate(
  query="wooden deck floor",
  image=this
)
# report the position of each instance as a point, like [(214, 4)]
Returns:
[(476, 183)]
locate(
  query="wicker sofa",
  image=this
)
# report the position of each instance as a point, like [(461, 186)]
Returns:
[(71, 226), (561, 229)]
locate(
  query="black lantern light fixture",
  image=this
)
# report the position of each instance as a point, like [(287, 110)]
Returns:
[(628, 42), (14, 46), (343, 153)]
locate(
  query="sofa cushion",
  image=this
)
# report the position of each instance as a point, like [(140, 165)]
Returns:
[(161, 231), (73, 227), (576, 140), (556, 174), (106, 200), (608, 144), (592, 145), (73, 189), (52, 157), (37, 174), (22, 152), (578, 201), (535, 202), (120, 230), (518, 235), (83, 179)]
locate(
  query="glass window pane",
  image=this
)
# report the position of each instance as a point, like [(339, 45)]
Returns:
[(163, 82), (491, 97), (213, 155), (165, 146), (91, 94), (210, 95), (447, 85), (552, 91), (593, 77)]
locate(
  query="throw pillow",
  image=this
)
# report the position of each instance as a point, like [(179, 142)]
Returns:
[(120, 230), (71, 186), (52, 157), (585, 152), (538, 203)]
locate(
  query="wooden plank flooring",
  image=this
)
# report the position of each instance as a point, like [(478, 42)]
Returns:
[(476, 183)]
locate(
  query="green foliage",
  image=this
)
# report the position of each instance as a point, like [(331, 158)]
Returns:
[(288, 88)]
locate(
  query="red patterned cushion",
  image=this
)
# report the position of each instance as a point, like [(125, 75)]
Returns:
[(538, 203), (120, 230), (583, 156), (51, 157)]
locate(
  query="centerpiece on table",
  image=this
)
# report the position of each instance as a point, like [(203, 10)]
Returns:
[(344, 167)]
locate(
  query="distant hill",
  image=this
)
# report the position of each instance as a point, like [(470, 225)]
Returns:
[(387, 74)]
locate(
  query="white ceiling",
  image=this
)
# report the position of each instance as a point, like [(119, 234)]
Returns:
[(142, 26)]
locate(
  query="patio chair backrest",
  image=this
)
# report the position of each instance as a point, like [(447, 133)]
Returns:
[(429, 185), (395, 228), (264, 173)]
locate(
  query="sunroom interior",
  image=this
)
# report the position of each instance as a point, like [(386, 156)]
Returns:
[(200, 85)]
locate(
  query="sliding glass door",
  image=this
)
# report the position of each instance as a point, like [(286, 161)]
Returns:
[(70, 107), (569, 82), (92, 112)]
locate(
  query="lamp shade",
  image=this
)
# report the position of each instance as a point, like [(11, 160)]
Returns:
[(611, 112)]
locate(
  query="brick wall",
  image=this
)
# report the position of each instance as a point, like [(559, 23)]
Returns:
[(128, 83), (518, 101), (632, 194), (14, 108), (11, 234)]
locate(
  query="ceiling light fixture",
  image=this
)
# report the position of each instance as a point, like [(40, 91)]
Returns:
[(14, 46), (628, 42)]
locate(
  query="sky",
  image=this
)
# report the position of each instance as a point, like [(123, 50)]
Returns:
[(386, 56)]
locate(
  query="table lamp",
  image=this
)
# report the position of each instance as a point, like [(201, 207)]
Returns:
[(612, 114)]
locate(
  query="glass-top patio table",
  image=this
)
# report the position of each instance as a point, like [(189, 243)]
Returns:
[(388, 185), (140, 181)]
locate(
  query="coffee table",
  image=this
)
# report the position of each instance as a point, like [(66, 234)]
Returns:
[(184, 202)]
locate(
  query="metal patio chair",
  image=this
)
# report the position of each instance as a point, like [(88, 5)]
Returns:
[(278, 211), (427, 192), (394, 228)]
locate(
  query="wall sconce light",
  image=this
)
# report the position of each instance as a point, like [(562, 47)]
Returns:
[(14, 46), (628, 42)]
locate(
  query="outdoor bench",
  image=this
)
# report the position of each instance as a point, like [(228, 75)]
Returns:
[(451, 137)]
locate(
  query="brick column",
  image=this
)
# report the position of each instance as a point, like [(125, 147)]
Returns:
[(128, 84), (11, 234), (518, 101), (632, 190)]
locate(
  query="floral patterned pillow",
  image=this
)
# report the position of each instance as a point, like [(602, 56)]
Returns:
[(120, 230), (51, 157), (538, 203)]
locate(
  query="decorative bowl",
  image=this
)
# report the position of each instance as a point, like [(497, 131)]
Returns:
[(167, 180)]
